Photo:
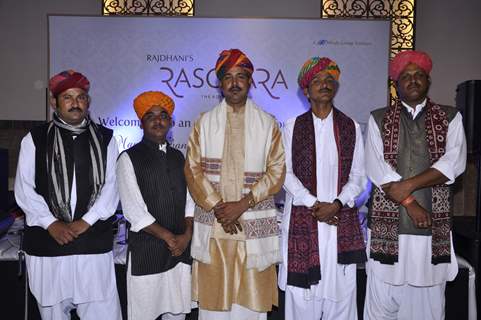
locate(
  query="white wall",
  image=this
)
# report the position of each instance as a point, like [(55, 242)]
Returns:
[(450, 31), (23, 54)]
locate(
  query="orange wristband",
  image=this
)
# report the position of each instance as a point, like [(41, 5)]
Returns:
[(408, 200)]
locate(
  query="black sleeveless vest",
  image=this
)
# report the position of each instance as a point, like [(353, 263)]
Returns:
[(160, 177), (99, 237)]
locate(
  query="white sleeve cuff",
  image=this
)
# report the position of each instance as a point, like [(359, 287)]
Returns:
[(46, 221), (142, 223), (349, 202), (308, 200), (90, 217), (390, 177), (446, 170)]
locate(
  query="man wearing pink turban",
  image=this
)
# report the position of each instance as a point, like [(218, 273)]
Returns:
[(415, 149), (66, 185), (234, 167), (321, 237)]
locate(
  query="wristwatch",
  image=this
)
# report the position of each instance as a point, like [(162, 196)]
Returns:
[(252, 202), (339, 202)]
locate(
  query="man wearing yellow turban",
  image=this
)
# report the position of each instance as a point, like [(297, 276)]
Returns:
[(156, 203), (235, 164)]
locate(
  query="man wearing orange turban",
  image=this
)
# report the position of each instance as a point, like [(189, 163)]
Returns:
[(235, 165), (415, 149), (144, 101), (155, 201)]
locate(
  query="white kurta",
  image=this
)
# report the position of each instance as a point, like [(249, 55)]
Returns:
[(149, 296), (82, 278), (338, 281), (414, 266)]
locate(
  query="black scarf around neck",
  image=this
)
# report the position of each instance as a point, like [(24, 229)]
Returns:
[(59, 185)]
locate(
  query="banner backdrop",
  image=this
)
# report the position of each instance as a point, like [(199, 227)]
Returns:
[(124, 56)]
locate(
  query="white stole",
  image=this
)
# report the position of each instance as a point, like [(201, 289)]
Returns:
[(262, 232)]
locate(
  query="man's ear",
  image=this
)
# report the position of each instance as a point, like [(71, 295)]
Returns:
[(306, 92), (336, 88), (53, 102)]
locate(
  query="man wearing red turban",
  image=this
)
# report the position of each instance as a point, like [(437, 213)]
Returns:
[(232, 58), (415, 149), (234, 167), (66, 185)]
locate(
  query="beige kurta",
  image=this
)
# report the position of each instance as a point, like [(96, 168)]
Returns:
[(226, 280)]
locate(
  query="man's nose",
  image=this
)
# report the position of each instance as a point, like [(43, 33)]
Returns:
[(234, 81)]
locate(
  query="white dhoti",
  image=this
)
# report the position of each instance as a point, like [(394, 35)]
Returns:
[(167, 293), (413, 288), (404, 302)]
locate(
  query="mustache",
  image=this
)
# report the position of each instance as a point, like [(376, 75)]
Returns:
[(75, 109), (236, 88)]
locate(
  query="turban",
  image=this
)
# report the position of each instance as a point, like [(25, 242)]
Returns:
[(232, 58), (404, 58), (315, 65), (66, 80), (146, 100)]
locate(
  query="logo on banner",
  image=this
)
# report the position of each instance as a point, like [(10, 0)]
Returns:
[(326, 42), (197, 78)]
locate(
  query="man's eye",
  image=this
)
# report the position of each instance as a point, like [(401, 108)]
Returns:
[(420, 75)]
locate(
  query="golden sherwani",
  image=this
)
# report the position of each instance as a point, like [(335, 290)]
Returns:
[(224, 278)]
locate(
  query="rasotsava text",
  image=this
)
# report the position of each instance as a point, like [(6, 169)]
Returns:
[(199, 78)]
